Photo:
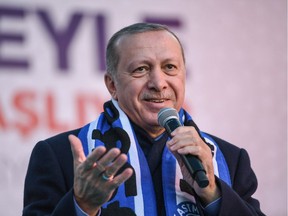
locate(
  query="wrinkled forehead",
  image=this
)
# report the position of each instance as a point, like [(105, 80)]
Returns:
[(148, 38)]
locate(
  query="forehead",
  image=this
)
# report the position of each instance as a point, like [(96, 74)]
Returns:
[(162, 40)]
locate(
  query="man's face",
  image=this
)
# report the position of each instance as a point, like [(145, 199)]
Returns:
[(150, 76)]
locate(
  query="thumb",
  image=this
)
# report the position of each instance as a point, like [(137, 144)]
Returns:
[(77, 150)]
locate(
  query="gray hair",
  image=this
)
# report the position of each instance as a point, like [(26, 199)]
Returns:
[(112, 56)]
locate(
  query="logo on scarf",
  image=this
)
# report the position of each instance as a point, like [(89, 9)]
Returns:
[(187, 209)]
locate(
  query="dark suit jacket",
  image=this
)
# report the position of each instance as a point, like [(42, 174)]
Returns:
[(49, 180)]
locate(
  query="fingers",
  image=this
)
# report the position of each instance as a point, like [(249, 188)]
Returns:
[(107, 159), (79, 156), (113, 166), (119, 179), (92, 160), (91, 190), (99, 161), (186, 140), (77, 149), (113, 162)]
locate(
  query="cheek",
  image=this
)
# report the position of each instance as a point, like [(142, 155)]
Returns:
[(179, 90), (132, 87), (130, 90), (126, 92)]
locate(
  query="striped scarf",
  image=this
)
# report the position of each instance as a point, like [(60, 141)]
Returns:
[(136, 196)]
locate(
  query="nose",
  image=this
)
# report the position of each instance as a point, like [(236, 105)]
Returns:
[(157, 80)]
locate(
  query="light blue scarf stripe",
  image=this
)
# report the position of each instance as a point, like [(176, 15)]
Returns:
[(83, 137)]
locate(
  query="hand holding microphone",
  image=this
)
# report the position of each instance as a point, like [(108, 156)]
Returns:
[(169, 119)]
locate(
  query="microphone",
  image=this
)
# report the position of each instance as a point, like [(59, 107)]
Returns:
[(169, 119)]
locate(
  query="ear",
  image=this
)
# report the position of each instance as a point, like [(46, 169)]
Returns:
[(110, 85)]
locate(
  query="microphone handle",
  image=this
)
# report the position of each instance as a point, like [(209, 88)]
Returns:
[(191, 162), (196, 170)]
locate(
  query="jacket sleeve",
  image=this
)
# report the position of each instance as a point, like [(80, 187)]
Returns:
[(47, 190), (238, 200)]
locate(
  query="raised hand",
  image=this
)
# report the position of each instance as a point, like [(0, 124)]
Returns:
[(94, 176)]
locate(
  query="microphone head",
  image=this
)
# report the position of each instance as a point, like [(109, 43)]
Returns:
[(165, 114)]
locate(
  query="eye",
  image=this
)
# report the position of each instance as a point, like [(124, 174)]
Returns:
[(170, 66), (171, 69), (139, 71)]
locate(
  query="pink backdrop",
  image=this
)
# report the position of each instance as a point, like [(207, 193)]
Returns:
[(51, 77)]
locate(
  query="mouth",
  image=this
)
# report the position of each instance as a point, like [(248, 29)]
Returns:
[(155, 100)]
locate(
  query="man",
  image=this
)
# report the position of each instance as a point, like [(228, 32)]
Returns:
[(124, 163)]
